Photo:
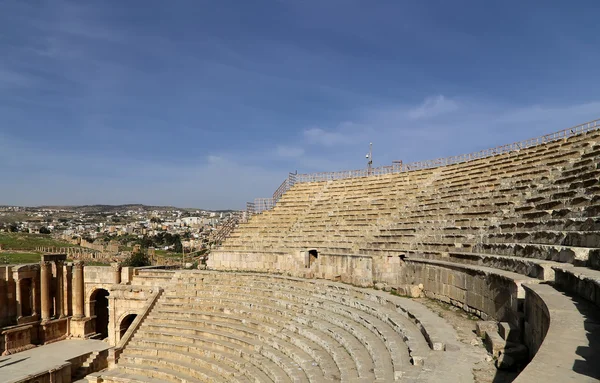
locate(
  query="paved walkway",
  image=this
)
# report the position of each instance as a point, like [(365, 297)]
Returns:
[(14, 368)]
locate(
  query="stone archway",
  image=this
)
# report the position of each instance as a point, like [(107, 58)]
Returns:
[(125, 323), (99, 312)]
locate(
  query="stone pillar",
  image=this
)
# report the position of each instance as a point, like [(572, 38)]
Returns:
[(117, 272), (45, 279), (19, 297), (3, 302), (67, 290), (34, 305), (59, 289), (78, 290)]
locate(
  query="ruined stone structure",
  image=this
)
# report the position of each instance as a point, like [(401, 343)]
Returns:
[(85, 254), (511, 237), (211, 326), (318, 288), (54, 300)]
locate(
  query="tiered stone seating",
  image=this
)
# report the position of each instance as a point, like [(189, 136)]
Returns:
[(254, 327), (259, 229), (476, 234)]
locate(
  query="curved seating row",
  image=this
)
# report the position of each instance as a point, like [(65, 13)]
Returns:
[(258, 328), (472, 234)]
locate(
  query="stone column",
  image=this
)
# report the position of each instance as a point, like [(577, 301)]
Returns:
[(3, 302), (68, 289), (117, 272), (45, 278), (78, 289), (19, 298), (59, 298), (34, 305)]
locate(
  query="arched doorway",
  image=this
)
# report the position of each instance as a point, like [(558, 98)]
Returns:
[(125, 323), (99, 310)]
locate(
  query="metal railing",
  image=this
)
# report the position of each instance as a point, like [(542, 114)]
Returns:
[(332, 176), (261, 204)]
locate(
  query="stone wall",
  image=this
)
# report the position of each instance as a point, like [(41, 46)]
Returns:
[(60, 374), (354, 269), (484, 294), (8, 308), (487, 295), (269, 262), (125, 300), (537, 321)]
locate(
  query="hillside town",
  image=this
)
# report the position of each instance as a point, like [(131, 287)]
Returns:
[(120, 229)]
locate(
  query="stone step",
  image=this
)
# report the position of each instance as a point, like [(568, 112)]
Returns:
[(194, 318), (531, 267), (197, 360), (563, 254), (582, 281), (229, 358), (301, 358), (362, 358), (175, 370), (118, 375), (417, 314), (404, 328), (155, 372), (279, 368)]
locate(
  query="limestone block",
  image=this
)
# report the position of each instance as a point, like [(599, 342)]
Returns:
[(482, 326), (494, 343), (509, 332)]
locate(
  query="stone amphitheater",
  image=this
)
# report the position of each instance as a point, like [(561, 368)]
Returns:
[(336, 282)]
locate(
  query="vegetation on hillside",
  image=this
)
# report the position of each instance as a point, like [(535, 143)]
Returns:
[(137, 259), (23, 241), (18, 258)]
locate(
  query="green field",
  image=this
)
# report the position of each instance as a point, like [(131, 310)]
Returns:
[(165, 253), (22, 241), (18, 258), (11, 258)]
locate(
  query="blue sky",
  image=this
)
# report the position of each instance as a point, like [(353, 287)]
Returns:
[(210, 103)]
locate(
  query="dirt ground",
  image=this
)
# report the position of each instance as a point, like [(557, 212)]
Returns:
[(485, 371)]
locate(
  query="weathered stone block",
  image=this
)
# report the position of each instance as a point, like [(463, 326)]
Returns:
[(482, 326)]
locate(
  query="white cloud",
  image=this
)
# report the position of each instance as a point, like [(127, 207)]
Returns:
[(214, 159), (287, 151), (439, 126), (433, 106), (222, 180), (326, 138)]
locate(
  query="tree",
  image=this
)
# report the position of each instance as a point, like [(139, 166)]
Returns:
[(44, 230), (137, 259), (178, 247)]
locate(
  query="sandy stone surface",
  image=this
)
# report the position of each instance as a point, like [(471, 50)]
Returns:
[(464, 323)]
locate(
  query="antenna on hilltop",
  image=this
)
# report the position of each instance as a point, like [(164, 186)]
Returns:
[(369, 157)]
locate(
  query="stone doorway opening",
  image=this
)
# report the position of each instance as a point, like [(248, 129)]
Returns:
[(26, 286), (313, 255), (125, 323), (99, 311)]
